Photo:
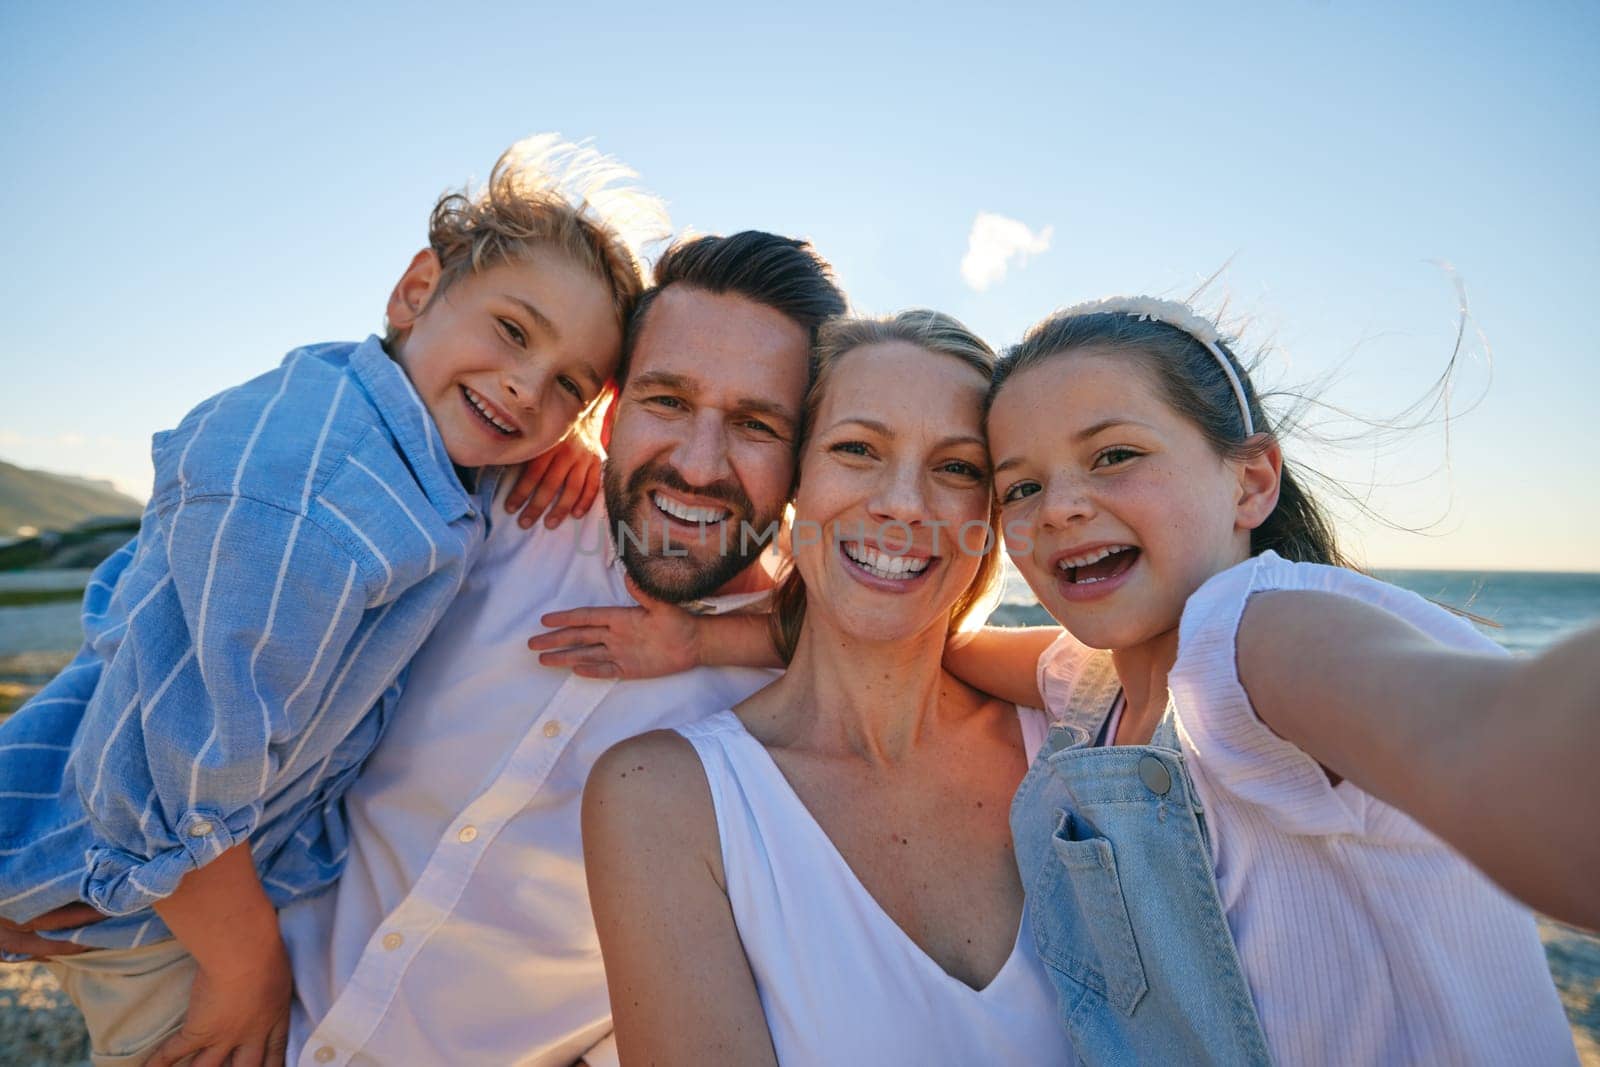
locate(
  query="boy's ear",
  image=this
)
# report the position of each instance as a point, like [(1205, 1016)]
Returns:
[(413, 291), (1259, 478), (610, 418)]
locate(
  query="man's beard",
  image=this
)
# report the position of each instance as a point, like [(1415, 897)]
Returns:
[(697, 566)]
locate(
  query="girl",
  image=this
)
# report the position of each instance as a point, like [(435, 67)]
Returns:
[(1229, 844)]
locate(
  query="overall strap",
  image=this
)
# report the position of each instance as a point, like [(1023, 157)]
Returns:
[(1166, 733)]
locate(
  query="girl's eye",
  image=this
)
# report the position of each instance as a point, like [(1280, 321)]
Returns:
[(513, 332), (852, 448), (571, 386), (1113, 456), (1017, 491)]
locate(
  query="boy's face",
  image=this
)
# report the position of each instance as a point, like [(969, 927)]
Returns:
[(505, 359)]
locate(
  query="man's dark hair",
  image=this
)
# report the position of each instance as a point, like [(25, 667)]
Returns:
[(783, 273)]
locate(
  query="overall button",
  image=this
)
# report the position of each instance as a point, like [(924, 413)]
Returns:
[(468, 835), (552, 729), (393, 941), (1155, 776), (201, 828), (324, 1054)]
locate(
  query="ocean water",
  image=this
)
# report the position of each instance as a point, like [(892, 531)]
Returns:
[(1529, 610), (44, 629), (1525, 611)]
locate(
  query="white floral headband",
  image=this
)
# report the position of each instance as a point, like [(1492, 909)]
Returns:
[(1185, 318)]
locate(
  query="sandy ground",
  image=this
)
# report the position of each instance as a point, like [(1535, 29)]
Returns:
[(38, 1024)]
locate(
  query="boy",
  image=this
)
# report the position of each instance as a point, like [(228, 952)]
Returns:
[(306, 530)]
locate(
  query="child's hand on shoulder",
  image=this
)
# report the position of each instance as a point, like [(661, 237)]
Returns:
[(654, 639), (565, 478)]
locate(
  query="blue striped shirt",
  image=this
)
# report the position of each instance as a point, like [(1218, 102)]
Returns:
[(241, 654)]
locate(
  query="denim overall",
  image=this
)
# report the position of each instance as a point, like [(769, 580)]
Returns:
[(1122, 897)]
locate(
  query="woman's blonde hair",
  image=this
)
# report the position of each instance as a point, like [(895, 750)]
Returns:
[(933, 332), (548, 193)]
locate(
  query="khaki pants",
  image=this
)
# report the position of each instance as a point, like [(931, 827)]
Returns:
[(132, 999)]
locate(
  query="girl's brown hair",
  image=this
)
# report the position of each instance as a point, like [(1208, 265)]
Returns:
[(935, 333), (1196, 387)]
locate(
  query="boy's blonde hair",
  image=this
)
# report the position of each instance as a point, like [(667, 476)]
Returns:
[(546, 192)]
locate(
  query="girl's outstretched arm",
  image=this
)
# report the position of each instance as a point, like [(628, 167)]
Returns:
[(680, 984), (1494, 754), (1001, 660)]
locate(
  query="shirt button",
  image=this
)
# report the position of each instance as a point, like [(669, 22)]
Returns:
[(1155, 776), (552, 729), (392, 941), (467, 835), (324, 1054), (201, 828)]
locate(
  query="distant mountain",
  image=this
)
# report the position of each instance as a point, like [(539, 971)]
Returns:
[(55, 501)]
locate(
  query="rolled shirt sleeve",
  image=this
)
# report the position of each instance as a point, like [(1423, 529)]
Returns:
[(233, 657)]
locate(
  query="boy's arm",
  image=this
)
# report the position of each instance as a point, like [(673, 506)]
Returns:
[(231, 681), (651, 640), (239, 1000), (1002, 660)]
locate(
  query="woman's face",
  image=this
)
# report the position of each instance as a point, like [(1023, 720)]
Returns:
[(895, 467), (1115, 507)]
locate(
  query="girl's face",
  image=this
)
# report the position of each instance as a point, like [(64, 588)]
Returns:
[(894, 467), (1115, 508)]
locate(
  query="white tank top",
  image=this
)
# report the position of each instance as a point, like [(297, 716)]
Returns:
[(839, 981)]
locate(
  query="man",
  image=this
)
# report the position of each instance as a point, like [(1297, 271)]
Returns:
[(460, 931)]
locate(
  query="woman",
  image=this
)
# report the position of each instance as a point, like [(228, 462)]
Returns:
[(825, 873)]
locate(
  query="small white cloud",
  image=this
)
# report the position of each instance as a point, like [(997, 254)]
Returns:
[(996, 241)]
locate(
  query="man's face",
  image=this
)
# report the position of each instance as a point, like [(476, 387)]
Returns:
[(701, 455)]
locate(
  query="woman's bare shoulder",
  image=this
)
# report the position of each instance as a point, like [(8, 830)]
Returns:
[(648, 795)]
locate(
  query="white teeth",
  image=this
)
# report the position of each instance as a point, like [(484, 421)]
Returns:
[(883, 565), (686, 513), (1091, 557), (477, 402)]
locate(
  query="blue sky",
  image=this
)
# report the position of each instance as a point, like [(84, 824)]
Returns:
[(190, 192)]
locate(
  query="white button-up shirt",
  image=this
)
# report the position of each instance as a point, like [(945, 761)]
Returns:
[(460, 931)]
